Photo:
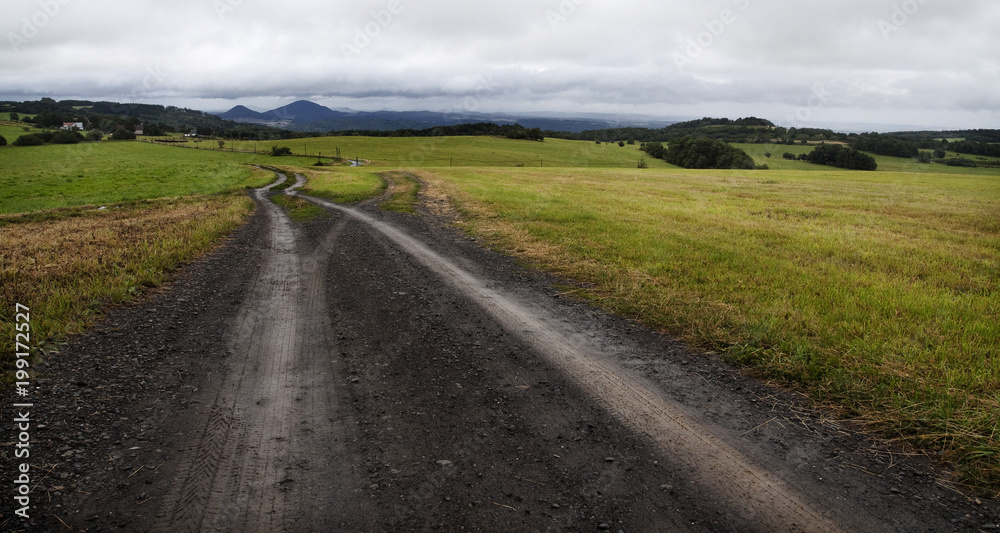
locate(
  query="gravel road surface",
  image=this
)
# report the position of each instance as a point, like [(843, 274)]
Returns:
[(373, 371)]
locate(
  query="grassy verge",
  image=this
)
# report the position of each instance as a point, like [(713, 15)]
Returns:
[(874, 292), (69, 265), (404, 193)]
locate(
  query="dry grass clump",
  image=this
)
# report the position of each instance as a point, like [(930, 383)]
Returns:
[(69, 265)]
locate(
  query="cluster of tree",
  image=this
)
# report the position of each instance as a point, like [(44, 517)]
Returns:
[(519, 132), (981, 135), (700, 152), (959, 162), (655, 149), (52, 119), (510, 131), (739, 130), (743, 130), (975, 148), (49, 137), (841, 156), (884, 145)]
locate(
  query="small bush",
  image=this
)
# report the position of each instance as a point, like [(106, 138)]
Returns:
[(67, 137), (280, 151), (789, 156), (960, 162), (32, 139), (642, 163), (3, 141), (95, 135)]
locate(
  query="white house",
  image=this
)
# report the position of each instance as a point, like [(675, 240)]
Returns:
[(72, 126)]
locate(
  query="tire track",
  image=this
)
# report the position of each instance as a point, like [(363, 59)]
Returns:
[(755, 494), (256, 466)]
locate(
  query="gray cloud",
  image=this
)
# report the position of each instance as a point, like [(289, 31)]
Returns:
[(922, 62)]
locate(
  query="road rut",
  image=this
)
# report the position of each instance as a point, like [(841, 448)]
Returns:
[(263, 461)]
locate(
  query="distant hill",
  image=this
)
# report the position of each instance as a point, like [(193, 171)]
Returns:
[(243, 114), (306, 116), (298, 114), (109, 116)]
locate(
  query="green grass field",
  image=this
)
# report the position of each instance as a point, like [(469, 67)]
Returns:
[(12, 130), (875, 292), (344, 185), (53, 176), (885, 163), (462, 151), (872, 291)]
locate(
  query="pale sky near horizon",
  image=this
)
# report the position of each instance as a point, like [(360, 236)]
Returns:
[(921, 63)]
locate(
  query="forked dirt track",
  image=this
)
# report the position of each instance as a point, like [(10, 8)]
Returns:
[(370, 371)]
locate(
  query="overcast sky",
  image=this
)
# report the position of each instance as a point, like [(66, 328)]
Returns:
[(926, 63)]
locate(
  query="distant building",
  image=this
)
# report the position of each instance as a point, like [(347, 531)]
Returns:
[(138, 129), (68, 126)]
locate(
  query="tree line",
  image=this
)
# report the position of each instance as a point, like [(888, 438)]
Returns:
[(510, 131), (156, 120)]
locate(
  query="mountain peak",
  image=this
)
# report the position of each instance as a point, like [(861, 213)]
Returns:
[(242, 112)]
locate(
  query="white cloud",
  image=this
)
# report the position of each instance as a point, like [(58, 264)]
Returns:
[(922, 62)]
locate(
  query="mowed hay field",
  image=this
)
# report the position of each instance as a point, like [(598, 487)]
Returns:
[(83, 227), (462, 151), (53, 176), (875, 292)]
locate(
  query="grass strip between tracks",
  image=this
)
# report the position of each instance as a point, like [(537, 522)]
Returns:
[(342, 184), (404, 193)]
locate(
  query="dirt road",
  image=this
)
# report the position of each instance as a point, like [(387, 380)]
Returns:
[(370, 371)]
